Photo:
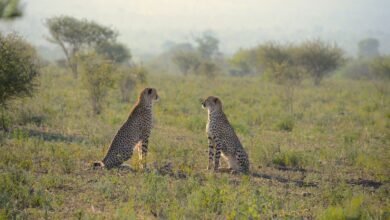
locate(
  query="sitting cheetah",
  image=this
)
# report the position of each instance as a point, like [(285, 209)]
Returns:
[(221, 135), (134, 132)]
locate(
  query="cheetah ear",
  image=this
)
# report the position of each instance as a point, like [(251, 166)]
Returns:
[(215, 100), (150, 91)]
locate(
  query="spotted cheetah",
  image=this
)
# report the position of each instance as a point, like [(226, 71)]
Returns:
[(222, 137), (133, 133)]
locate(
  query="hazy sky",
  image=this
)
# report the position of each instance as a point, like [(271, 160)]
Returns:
[(144, 25)]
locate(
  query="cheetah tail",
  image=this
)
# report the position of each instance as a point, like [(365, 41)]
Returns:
[(98, 164)]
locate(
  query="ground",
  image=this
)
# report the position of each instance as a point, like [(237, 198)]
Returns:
[(328, 159)]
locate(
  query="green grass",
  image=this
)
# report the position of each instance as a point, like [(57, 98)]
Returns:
[(338, 132)]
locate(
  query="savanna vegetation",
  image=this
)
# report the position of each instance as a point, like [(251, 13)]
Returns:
[(317, 135)]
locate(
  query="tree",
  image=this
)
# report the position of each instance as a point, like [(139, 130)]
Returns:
[(357, 69), (114, 51), (186, 61), (380, 71), (318, 58), (10, 9), (208, 68), (129, 77), (207, 46), (19, 65), (73, 35), (271, 53), (97, 78), (380, 68), (244, 62), (278, 61), (368, 48), (127, 82), (200, 61)]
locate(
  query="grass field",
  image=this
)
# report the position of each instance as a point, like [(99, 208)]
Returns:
[(330, 159)]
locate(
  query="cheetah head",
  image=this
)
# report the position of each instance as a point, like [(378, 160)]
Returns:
[(150, 94), (212, 103)]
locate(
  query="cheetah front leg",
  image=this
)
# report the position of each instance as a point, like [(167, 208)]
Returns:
[(211, 153), (143, 151), (218, 149)]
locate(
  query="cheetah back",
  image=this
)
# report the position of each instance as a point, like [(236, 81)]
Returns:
[(138, 125), (220, 128)]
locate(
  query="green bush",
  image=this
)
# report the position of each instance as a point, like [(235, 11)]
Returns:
[(334, 213), (286, 124), (289, 158), (19, 67), (318, 58), (356, 69), (127, 83), (17, 193), (97, 78), (112, 188), (352, 210), (380, 68), (209, 200), (155, 194)]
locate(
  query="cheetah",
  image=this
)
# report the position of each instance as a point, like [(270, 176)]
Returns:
[(222, 137), (134, 132)]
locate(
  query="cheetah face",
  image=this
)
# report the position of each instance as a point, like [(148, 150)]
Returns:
[(150, 94), (212, 103)]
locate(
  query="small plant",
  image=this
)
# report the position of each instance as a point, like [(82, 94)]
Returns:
[(140, 73), (208, 69), (208, 200), (97, 78), (186, 61), (126, 212), (352, 209), (335, 213), (129, 78), (155, 194), (380, 70), (289, 158), (111, 188), (280, 67), (286, 124), (18, 194), (127, 83)]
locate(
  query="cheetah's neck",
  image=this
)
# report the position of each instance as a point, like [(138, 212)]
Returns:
[(214, 115)]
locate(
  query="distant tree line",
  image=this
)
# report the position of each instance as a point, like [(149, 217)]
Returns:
[(370, 65), (314, 58), (201, 59), (92, 50)]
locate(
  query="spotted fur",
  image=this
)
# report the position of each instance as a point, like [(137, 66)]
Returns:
[(134, 132), (223, 139)]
